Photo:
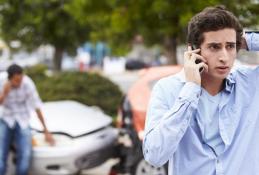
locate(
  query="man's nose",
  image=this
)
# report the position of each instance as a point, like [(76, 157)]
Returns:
[(224, 55)]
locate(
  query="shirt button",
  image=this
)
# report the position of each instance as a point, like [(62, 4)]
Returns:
[(146, 151), (197, 95)]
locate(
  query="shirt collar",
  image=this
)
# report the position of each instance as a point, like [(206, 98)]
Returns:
[(229, 81)]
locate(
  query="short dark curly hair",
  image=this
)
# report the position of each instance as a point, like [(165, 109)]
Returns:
[(14, 69), (213, 19)]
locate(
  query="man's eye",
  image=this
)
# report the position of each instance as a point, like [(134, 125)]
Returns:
[(231, 46), (214, 47)]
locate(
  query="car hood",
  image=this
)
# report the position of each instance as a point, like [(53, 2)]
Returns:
[(71, 117)]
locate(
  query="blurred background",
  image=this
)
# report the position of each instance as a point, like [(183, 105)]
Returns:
[(94, 51)]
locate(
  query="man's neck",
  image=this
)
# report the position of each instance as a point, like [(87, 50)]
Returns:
[(211, 85)]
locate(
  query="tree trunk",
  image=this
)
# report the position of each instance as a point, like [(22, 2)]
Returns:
[(58, 58), (170, 44)]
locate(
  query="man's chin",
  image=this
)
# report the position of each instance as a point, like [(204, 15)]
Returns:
[(222, 76)]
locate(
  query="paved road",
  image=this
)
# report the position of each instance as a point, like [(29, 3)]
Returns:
[(101, 170), (104, 169)]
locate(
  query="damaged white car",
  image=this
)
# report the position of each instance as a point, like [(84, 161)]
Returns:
[(84, 138)]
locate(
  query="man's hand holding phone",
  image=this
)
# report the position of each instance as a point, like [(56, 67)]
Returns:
[(194, 65)]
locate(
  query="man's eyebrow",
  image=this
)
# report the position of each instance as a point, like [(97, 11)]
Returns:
[(215, 43)]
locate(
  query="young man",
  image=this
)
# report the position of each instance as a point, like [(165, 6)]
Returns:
[(205, 120), (18, 96)]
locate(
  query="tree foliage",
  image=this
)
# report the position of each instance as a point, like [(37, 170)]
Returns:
[(68, 23), (159, 21), (165, 21), (60, 23)]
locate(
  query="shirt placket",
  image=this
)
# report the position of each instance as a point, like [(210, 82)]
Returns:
[(219, 167), (223, 135), (222, 120)]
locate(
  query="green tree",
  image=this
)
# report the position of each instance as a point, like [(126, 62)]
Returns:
[(164, 21), (66, 24), (159, 21), (56, 22)]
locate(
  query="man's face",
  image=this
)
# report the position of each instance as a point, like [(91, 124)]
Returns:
[(219, 49), (16, 80)]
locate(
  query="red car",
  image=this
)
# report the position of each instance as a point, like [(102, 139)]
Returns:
[(131, 121)]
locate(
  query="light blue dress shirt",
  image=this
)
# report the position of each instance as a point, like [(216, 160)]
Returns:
[(208, 120), (173, 132)]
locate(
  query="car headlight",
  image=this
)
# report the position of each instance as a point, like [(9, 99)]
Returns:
[(38, 140)]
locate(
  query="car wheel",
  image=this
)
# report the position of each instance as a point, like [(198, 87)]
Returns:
[(144, 168)]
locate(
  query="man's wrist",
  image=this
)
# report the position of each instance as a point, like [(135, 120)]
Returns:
[(46, 131)]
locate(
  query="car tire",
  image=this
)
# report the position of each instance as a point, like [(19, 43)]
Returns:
[(144, 168)]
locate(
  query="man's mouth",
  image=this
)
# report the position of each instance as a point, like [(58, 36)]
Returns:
[(222, 69)]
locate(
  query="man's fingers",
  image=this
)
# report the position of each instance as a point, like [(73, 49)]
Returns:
[(189, 53), (194, 51), (51, 141), (195, 57), (202, 66), (49, 138), (199, 57), (189, 48), (206, 67)]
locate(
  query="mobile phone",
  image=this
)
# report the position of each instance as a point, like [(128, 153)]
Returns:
[(197, 61)]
